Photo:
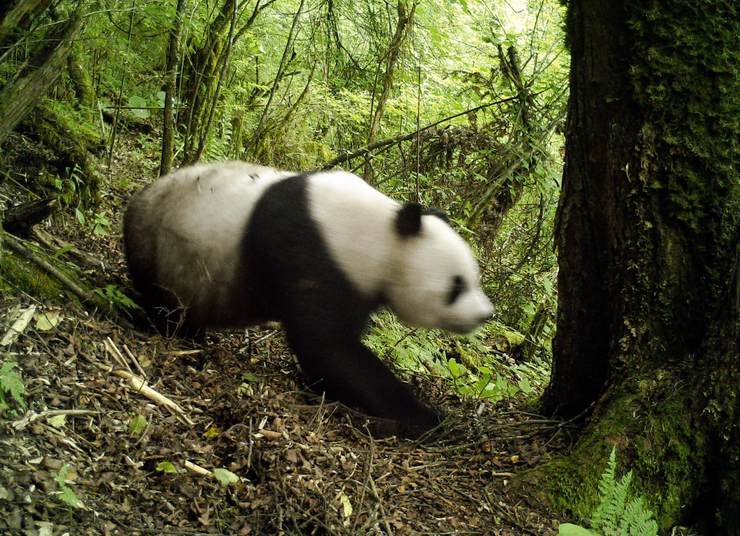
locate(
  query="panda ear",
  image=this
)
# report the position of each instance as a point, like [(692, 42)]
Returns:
[(408, 219)]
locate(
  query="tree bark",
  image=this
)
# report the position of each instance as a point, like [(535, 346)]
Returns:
[(647, 236), (170, 85), (17, 16), (23, 93)]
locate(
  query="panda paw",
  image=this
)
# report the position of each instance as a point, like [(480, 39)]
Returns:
[(425, 424)]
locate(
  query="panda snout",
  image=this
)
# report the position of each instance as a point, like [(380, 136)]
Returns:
[(488, 310), (486, 317)]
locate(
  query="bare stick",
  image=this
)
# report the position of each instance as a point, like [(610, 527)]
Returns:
[(23, 251), (140, 386), (195, 468), (115, 353), (132, 357)]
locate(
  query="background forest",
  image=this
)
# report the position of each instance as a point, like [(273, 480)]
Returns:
[(462, 105), (458, 105)]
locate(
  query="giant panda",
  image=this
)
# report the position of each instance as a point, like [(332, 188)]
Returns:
[(234, 244)]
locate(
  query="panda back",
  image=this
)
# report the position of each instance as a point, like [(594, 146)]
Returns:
[(184, 233), (356, 223)]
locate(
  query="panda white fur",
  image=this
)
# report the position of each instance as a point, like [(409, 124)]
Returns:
[(235, 244)]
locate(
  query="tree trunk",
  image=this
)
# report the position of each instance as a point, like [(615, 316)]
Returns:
[(17, 17), (81, 82), (23, 93), (255, 144), (405, 22), (170, 85), (647, 240), (202, 77)]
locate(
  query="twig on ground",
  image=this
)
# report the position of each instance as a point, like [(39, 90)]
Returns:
[(132, 357), (32, 416), (57, 244), (195, 468), (140, 386), (116, 354)]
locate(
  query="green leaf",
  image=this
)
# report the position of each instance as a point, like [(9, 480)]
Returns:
[(137, 425), (166, 467), (61, 476), (67, 496), (47, 320), (80, 216), (225, 476), (57, 421), (11, 383), (250, 377), (346, 505), (568, 529), (525, 386)]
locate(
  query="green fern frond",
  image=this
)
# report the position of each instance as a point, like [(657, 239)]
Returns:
[(617, 514), (637, 519)]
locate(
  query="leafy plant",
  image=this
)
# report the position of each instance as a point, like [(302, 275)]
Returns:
[(11, 384), (617, 514), (113, 295), (471, 363), (101, 224), (65, 493)]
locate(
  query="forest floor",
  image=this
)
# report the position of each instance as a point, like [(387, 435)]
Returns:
[(94, 452)]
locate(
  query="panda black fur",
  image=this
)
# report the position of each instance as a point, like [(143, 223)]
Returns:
[(235, 244)]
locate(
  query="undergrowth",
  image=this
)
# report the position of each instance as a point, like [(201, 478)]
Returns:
[(618, 513), (475, 365)]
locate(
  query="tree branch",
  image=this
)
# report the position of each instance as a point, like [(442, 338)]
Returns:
[(404, 137)]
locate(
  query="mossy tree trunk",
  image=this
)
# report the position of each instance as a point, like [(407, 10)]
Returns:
[(203, 73), (81, 82), (30, 85), (170, 85), (16, 17), (404, 24), (647, 239)]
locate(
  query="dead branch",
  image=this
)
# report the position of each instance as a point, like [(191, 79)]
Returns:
[(140, 386), (19, 219), (54, 244), (404, 137), (16, 245)]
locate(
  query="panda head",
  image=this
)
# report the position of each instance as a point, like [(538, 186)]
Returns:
[(435, 282)]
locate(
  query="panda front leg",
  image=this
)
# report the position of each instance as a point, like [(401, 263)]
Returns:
[(337, 363)]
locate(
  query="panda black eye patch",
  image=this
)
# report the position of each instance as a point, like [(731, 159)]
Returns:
[(458, 287)]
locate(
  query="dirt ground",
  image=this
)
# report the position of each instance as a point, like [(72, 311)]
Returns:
[(139, 429)]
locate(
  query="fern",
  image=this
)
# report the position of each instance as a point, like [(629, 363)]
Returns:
[(617, 514), (638, 519)]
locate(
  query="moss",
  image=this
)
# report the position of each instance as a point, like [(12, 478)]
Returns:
[(684, 75), (65, 131), (649, 422), (17, 274)]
